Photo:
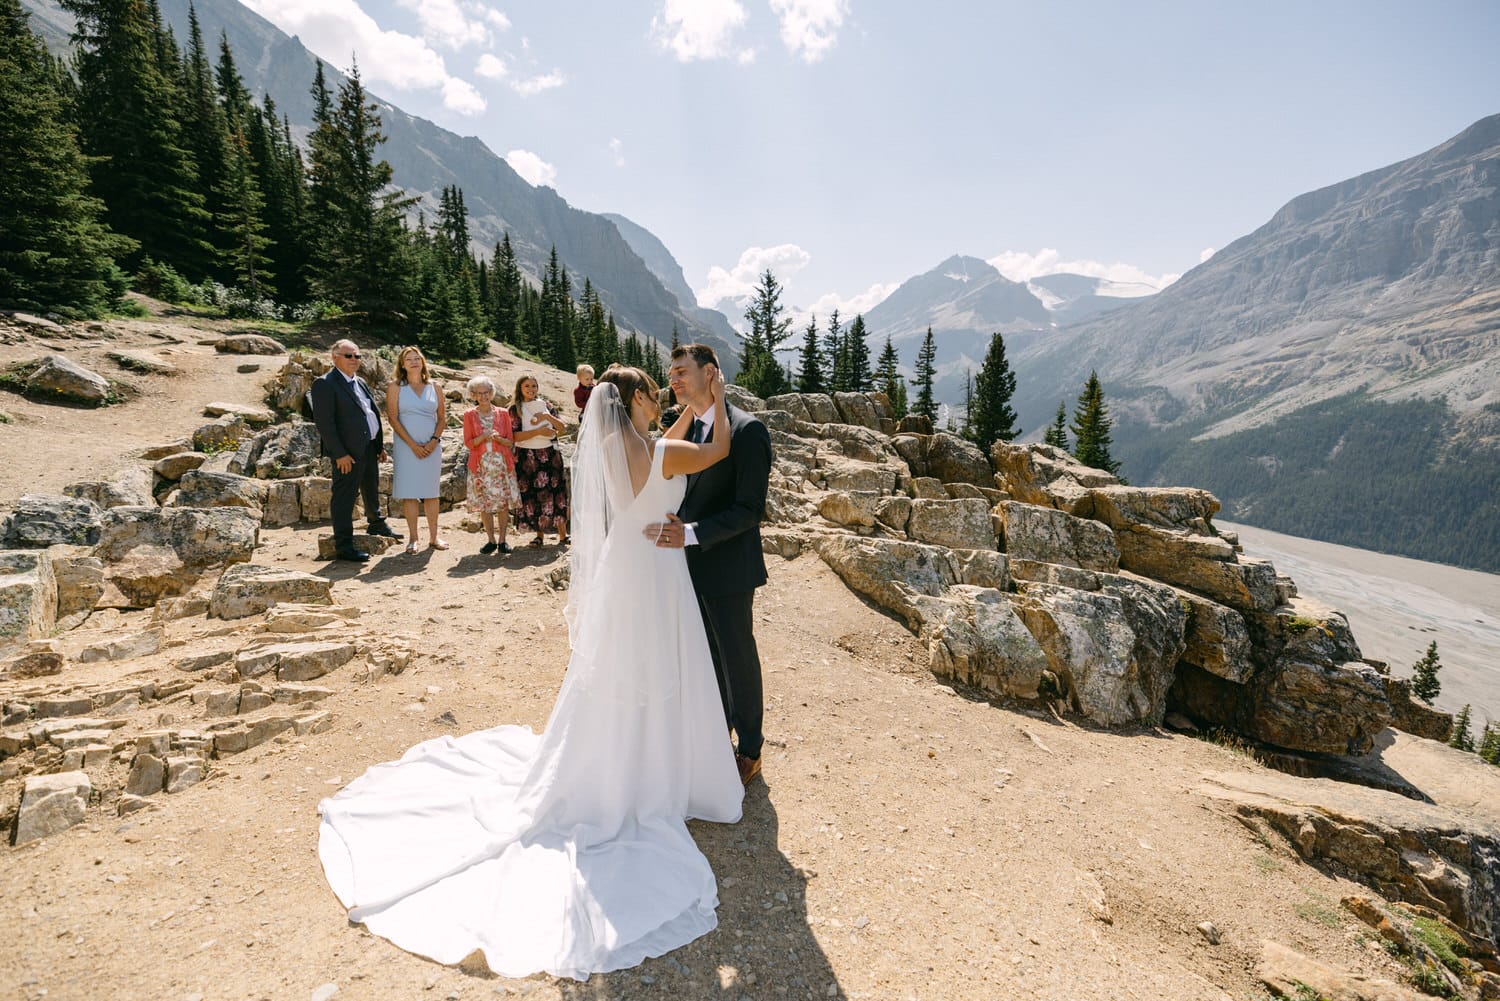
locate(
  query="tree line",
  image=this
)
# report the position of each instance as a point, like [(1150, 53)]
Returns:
[(838, 360), (139, 163)]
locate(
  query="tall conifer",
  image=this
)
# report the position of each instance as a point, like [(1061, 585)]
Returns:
[(810, 369), (1057, 434), (860, 378), (888, 378), (1091, 426), (1424, 682), (926, 405), (991, 418)]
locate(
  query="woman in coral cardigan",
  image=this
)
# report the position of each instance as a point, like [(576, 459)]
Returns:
[(493, 490)]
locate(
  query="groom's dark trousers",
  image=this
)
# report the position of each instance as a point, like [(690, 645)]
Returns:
[(724, 503)]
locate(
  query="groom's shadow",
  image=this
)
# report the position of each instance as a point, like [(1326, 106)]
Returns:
[(762, 948)]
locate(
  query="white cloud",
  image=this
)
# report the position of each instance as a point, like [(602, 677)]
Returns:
[(809, 28), (491, 66), (745, 57), (1019, 266), (851, 306), (736, 284), (336, 28), (617, 152), (698, 29), (532, 86), (496, 18), (461, 96), (532, 168), (1207, 253), (450, 23)]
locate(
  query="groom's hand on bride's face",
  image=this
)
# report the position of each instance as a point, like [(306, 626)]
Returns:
[(667, 534)]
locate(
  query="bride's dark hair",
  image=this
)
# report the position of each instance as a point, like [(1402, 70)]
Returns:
[(627, 380)]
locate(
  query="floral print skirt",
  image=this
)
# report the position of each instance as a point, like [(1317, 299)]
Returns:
[(544, 491), (494, 487)]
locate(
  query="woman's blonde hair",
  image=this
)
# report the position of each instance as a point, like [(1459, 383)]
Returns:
[(401, 363)]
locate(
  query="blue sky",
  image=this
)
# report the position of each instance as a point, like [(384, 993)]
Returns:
[(849, 145)]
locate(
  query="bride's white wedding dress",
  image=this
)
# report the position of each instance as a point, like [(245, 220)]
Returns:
[(568, 851)]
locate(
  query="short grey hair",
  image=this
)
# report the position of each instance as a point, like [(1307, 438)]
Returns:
[(344, 343), (481, 382)]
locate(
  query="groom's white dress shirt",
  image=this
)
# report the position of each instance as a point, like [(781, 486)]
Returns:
[(689, 533)]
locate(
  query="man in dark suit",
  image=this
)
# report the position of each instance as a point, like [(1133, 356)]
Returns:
[(348, 420), (719, 523)]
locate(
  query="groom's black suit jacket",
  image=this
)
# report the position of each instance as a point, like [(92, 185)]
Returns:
[(726, 501)]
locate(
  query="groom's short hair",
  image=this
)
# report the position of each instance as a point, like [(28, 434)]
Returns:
[(701, 354)]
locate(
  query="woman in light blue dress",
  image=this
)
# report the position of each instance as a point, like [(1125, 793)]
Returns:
[(418, 413)]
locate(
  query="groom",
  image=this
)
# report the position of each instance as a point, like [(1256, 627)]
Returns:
[(719, 523)]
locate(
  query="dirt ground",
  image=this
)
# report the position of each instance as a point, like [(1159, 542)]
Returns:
[(907, 842)]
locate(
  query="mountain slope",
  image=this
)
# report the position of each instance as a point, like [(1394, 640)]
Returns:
[(665, 267), (425, 158)]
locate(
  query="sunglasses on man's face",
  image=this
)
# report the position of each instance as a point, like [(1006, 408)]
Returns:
[(355, 355)]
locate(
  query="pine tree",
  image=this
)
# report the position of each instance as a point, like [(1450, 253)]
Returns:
[(1424, 682), (130, 124), (760, 372), (205, 135), (861, 380), (810, 363), (362, 258), (506, 292), (55, 251), (925, 405), (1462, 736), (1057, 434), (1091, 426), (837, 354), (992, 418), (239, 206), (1489, 743), (888, 378), (283, 187)]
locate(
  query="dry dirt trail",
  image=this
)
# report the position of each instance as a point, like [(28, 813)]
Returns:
[(908, 841)]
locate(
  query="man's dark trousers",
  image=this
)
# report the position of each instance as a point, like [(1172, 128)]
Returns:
[(729, 620), (362, 480)]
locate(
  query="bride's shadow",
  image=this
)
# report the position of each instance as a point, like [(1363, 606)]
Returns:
[(763, 947)]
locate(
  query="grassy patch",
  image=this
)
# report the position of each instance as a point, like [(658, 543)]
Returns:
[(1301, 624), (1266, 863), (1318, 910), (1445, 945)]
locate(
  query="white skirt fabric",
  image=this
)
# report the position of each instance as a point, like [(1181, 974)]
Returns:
[(566, 852)]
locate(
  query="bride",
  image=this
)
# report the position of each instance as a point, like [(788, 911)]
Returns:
[(568, 852)]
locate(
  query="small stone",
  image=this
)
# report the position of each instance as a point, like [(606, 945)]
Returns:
[(1209, 932), (325, 992), (446, 719)]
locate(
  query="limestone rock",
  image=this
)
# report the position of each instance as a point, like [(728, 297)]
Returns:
[(848, 475), (150, 573), (944, 457), (955, 524), (1435, 856), (315, 497), (172, 467), (34, 664), (1410, 715), (203, 661), (793, 404), (856, 409), (892, 572), (306, 661), (127, 647), (132, 487), (784, 507), (284, 452), (28, 596), (1291, 975), (184, 771), (1329, 709), (1045, 475), (975, 637), (181, 607), (375, 545), (201, 538), (1218, 640), (1173, 508), (155, 452), (40, 520), (148, 775), (894, 512), (200, 489), (282, 504), (741, 397), (1047, 535), (52, 803), (1202, 564), (246, 589), (248, 413), (224, 434), (1313, 632), (852, 442), (143, 362), (249, 344), (849, 510), (1054, 573), (58, 378), (80, 584)]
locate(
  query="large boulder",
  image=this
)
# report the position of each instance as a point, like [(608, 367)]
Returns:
[(839, 473), (792, 404), (1218, 640), (28, 596), (150, 573), (891, 572), (945, 457), (1410, 715), (246, 589), (741, 397), (856, 409), (852, 442), (200, 489), (52, 803), (80, 583), (1203, 564), (130, 488), (58, 378), (955, 524), (172, 467), (850, 510), (200, 537), (1185, 508), (1319, 707), (974, 637), (224, 434), (1047, 535), (249, 344), (40, 520), (1046, 475), (285, 452)]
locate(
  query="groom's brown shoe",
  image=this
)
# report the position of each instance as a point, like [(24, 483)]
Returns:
[(749, 767)]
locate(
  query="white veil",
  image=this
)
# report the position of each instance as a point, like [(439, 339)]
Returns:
[(601, 489)]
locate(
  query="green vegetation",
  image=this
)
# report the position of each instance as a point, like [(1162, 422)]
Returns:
[(888, 379), (1057, 433), (925, 405), (988, 413), (1424, 683), (1450, 949), (1091, 428), (760, 372), (1384, 476), (1319, 910), (1463, 735)]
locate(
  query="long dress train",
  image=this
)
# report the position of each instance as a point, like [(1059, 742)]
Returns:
[(568, 851)]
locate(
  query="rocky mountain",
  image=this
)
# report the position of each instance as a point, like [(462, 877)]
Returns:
[(665, 267), (426, 158), (1335, 373)]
